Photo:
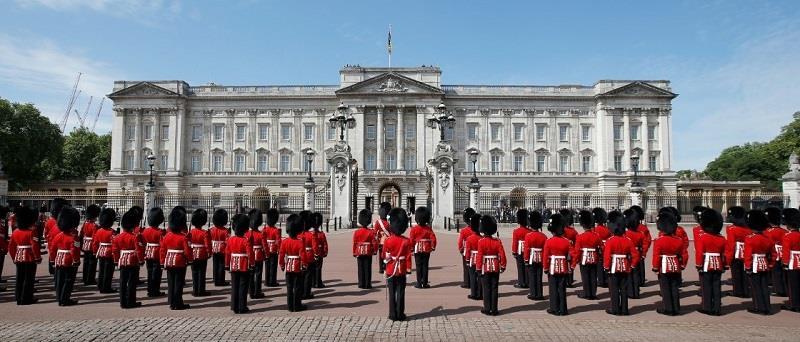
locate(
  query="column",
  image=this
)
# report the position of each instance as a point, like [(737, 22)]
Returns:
[(664, 139), (645, 143), (137, 142), (379, 138), (626, 139), (422, 134), (118, 143), (401, 141)]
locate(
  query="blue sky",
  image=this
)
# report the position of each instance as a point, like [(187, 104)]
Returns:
[(735, 64)]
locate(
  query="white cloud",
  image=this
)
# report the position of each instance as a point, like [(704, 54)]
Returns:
[(149, 12)]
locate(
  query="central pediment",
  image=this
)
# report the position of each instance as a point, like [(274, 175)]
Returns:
[(390, 83), (639, 89)]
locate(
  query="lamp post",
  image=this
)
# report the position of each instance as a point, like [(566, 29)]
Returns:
[(151, 161), (342, 120), (473, 157), (309, 184), (309, 159), (149, 190), (636, 190), (635, 167), (474, 183), (441, 121)]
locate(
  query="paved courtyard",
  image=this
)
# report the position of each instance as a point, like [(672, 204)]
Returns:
[(343, 312)]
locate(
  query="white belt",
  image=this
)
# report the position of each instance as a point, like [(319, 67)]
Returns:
[(664, 259), (292, 257), (756, 258), (239, 255), (707, 258), (24, 246), (152, 244), (197, 245), (792, 256), (520, 245), (63, 251), (174, 251), (270, 241), (105, 244), (614, 258), (126, 251), (739, 250), (490, 257), (533, 251), (258, 247), (553, 258), (307, 248)]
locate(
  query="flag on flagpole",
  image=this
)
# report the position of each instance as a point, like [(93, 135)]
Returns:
[(389, 41)]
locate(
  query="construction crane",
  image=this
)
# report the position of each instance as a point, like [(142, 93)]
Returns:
[(70, 103), (98, 113), (82, 119)]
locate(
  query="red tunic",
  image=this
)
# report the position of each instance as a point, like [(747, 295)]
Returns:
[(219, 235), (518, 238), (152, 242), (776, 235), (735, 234), (755, 245), (638, 240), (462, 239), (554, 255), (200, 242), (620, 245), (570, 233), (257, 241), (50, 229), (63, 250), (101, 242), (647, 238), (238, 254), (128, 249), (669, 251), (381, 228), (364, 242), (535, 239), (397, 255), (23, 247), (791, 250), (272, 239), (712, 244), (309, 244), (423, 239), (293, 254), (322, 244), (587, 245), (175, 251), (87, 232), (602, 232), (697, 231), (471, 249), (491, 257)]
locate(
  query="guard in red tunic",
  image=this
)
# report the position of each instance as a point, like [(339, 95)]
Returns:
[(424, 240), (571, 234), (271, 235), (555, 263), (175, 256), (23, 247), (791, 257), (697, 230), (85, 237), (397, 255), (633, 233), (532, 253), (734, 251), (310, 245), (128, 251), (600, 217), (775, 232), (321, 252), (381, 227), (51, 226), (758, 261), (65, 254), (585, 253), (471, 252), (364, 247), (239, 261), (710, 261), (219, 236), (200, 242), (517, 250), (620, 256), (4, 236), (647, 240), (257, 241), (669, 260), (151, 236), (491, 261), (101, 247), (293, 260), (461, 244)]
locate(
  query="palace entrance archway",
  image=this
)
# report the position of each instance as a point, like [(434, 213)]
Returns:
[(390, 192)]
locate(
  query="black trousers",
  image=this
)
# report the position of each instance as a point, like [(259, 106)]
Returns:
[(176, 279), (475, 283), (218, 269), (294, 290), (364, 271), (26, 274), (558, 293), (105, 275), (308, 279), (779, 280), (255, 279), (51, 268), (738, 279), (793, 289), (65, 282), (154, 271), (711, 287), (240, 282), (490, 281), (271, 270), (396, 286), (759, 289), (589, 280), (318, 274), (602, 275), (465, 271), (618, 284), (422, 260), (89, 269), (381, 264), (199, 269), (535, 277), (634, 281), (128, 278), (642, 274), (522, 275), (670, 298)]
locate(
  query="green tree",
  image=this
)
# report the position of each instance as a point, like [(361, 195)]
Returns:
[(81, 148), (31, 144)]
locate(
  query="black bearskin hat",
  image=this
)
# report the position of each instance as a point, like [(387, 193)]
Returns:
[(423, 216), (631, 219), (639, 211), (241, 223), (586, 220), (556, 225), (467, 214), (56, 206), (294, 225), (675, 212), (317, 216), (600, 215), (305, 215), (272, 217), (25, 217), (129, 220), (199, 218), (475, 223), (155, 217), (711, 221), (398, 221), (107, 218), (738, 216), (68, 219), (566, 216), (92, 211), (697, 211), (535, 219), (757, 220), (773, 215), (488, 225), (364, 218), (139, 212), (666, 223), (177, 219), (220, 217), (617, 223), (256, 219), (383, 210), (791, 217), (522, 217)]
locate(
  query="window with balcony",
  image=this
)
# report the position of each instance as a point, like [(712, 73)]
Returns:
[(618, 162), (653, 162), (411, 160), (263, 162), (286, 161), (495, 163), (216, 163), (563, 163), (370, 163), (586, 163), (196, 166), (163, 160), (518, 162), (391, 161), (238, 162), (541, 165)]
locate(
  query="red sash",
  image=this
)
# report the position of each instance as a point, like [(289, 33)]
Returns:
[(175, 258), (558, 265), (240, 262), (423, 246), (293, 264), (217, 246), (127, 257), (63, 258), (104, 251), (670, 264), (151, 251), (620, 264)]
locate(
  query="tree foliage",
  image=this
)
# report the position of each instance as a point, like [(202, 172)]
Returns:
[(30, 145), (85, 154)]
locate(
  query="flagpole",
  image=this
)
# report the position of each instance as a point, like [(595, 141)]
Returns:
[(389, 46)]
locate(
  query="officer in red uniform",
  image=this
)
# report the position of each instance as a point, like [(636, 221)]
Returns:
[(620, 256), (471, 253), (491, 261), (239, 260), (25, 252), (51, 226), (461, 242), (272, 244), (219, 236), (200, 242), (397, 255), (697, 230), (775, 232), (791, 257), (585, 253), (310, 244), (424, 241), (257, 241), (634, 234), (571, 234), (101, 247), (381, 227), (758, 260), (321, 252), (175, 256), (555, 263), (65, 254), (151, 237), (669, 260), (600, 217), (293, 259), (532, 253), (517, 240), (85, 237), (734, 251), (128, 251), (364, 247), (710, 261)]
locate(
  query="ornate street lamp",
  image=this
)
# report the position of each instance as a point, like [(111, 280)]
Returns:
[(473, 157), (151, 161), (309, 159), (442, 120), (342, 119), (635, 166)]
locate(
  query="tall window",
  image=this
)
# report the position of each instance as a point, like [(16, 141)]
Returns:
[(495, 163), (263, 162), (617, 132), (391, 161), (130, 132), (216, 162), (472, 132), (635, 132), (411, 132), (129, 160), (495, 128), (518, 132), (585, 129), (586, 163), (370, 162), (219, 132), (263, 132), (197, 132), (540, 132), (238, 162), (652, 132), (618, 162), (331, 133), (653, 162), (286, 132), (148, 131), (372, 132), (518, 162), (308, 132), (563, 163), (196, 166), (390, 132), (240, 132), (285, 162), (163, 160), (411, 160), (563, 133), (540, 163), (164, 132)]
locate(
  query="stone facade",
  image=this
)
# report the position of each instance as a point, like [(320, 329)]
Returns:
[(566, 138)]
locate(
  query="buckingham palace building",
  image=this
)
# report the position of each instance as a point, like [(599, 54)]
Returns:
[(528, 138)]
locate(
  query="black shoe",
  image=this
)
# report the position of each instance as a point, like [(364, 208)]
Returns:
[(495, 313), (426, 286), (755, 311), (205, 294), (518, 286), (417, 286), (593, 298), (608, 311), (485, 312), (552, 312), (273, 285), (245, 310), (227, 283), (471, 297), (302, 307), (402, 318), (464, 286)]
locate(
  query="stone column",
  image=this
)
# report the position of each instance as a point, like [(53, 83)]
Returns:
[(626, 139), (379, 139), (149, 198), (474, 196), (645, 135), (791, 182), (441, 166), (137, 141), (308, 198), (401, 141), (341, 161), (636, 195)]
